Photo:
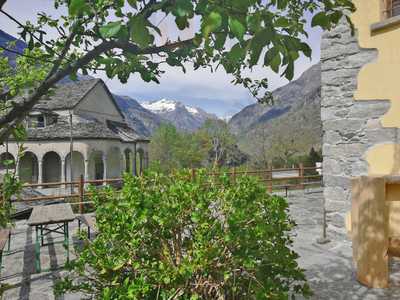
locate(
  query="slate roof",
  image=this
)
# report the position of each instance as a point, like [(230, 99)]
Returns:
[(67, 96), (85, 129)]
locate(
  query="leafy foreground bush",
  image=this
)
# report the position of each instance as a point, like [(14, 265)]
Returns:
[(172, 237)]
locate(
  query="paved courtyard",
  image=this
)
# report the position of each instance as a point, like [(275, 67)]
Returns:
[(329, 267)]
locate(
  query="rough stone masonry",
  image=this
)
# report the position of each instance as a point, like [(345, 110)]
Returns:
[(350, 127)]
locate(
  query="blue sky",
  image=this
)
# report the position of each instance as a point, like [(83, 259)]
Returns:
[(212, 92)]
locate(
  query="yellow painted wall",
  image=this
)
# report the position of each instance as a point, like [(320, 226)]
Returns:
[(380, 80)]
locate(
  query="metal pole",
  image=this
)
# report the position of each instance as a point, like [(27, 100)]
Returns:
[(7, 155), (324, 239), (71, 150)]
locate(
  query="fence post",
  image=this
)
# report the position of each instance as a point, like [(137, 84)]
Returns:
[(193, 174), (81, 193), (234, 175), (301, 175)]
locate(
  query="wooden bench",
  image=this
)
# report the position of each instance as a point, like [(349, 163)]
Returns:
[(89, 220), (5, 235)]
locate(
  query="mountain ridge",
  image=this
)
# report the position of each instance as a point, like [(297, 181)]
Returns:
[(294, 116)]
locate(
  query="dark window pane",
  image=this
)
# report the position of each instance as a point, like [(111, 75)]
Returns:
[(395, 8), (40, 121)]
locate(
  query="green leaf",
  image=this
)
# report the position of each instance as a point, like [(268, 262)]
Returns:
[(76, 7), (220, 39), (237, 54), (260, 40), (254, 22), (133, 3), (110, 30), (139, 32), (282, 22), (305, 48), (320, 19), (289, 72), (211, 23), (335, 17), (237, 28), (182, 23), (273, 59), (183, 8)]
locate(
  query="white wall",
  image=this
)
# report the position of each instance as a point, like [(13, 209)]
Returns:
[(78, 166), (99, 105)]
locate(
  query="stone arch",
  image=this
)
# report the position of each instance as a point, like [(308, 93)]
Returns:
[(128, 153), (96, 165), (51, 167), (78, 166), (28, 168), (5, 158), (114, 163)]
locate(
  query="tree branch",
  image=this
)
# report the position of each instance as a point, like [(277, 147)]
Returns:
[(133, 48), (64, 52), (22, 54), (27, 29), (2, 2), (20, 109)]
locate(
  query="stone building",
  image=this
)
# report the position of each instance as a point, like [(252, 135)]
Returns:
[(360, 102), (103, 145)]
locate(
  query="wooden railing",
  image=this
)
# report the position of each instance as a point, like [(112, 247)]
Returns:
[(275, 179)]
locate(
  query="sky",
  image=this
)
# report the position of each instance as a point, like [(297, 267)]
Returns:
[(212, 92)]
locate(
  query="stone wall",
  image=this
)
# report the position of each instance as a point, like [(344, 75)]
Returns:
[(350, 127)]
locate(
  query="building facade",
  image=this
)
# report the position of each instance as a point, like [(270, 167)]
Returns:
[(83, 117), (360, 102)]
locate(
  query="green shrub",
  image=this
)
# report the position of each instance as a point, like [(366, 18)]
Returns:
[(172, 237), (10, 187)]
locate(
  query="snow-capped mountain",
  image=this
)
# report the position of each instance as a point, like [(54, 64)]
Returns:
[(184, 117)]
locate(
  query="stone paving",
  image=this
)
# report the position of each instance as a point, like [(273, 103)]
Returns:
[(328, 267)]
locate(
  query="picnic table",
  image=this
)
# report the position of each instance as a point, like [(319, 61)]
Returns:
[(42, 217)]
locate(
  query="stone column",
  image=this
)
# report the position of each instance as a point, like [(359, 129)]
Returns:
[(63, 171), (141, 154), (104, 168), (40, 172), (86, 175), (134, 171), (122, 165), (146, 160)]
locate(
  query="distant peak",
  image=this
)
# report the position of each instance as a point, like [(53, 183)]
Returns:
[(168, 105), (162, 105)]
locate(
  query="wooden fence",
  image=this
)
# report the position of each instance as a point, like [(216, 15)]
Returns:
[(275, 179)]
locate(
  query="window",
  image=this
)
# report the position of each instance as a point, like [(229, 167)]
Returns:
[(36, 121), (40, 121), (392, 8)]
